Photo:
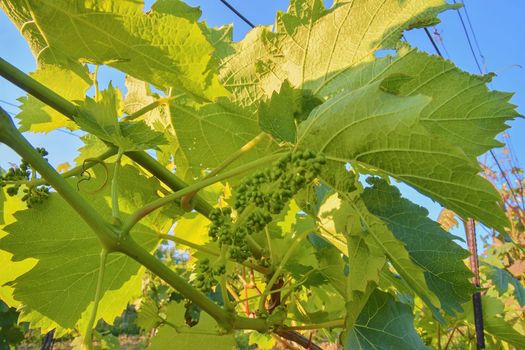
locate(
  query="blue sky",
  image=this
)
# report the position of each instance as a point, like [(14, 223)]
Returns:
[(498, 25)]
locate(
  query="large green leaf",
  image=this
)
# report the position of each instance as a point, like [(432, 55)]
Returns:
[(66, 77), (462, 111), (159, 47), (210, 132), (330, 264), (375, 130), (311, 45), (428, 244), (384, 324), (366, 259), (365, 256), (61, 286), (331, 51)]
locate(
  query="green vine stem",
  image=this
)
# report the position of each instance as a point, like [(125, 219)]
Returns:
[(189, 244), (95, 82), (33, 87), (149, 208), (88, 337), (115, 209), (171, 180), (269, 243), (255, 248)]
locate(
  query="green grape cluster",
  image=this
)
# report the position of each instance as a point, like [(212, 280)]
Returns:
[(206, 275), (14, 178), (273, 188), (35, 195), (225, 232), (267, 193)]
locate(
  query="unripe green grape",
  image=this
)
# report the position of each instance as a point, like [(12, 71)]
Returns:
[(12, 191)]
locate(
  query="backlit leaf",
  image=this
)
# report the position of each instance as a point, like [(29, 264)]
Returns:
[(159, 47), (61, 286)]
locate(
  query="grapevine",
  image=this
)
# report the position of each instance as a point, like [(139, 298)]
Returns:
[(249, 193)]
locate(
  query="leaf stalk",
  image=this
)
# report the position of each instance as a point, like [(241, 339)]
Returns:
[(88, 337)]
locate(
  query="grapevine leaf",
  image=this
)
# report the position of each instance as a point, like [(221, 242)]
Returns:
[(363, 251), (139, 96), (262, 341), (100, 118), (370, 242), (203, 336), (331, 265), (92, 148), (10, 269), (494, 322), (148, 315), (310, 44), (245, 73), (365, 257), (462, 111), (276, 117), (502, 278), (178, 8), (429, 246), (265, 59), (193, 227), (35, 115), (68, 78), (62, 285), (293, 52), (384, 324), (159, 47), (209, 133), (378, 131), (323, 304)]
